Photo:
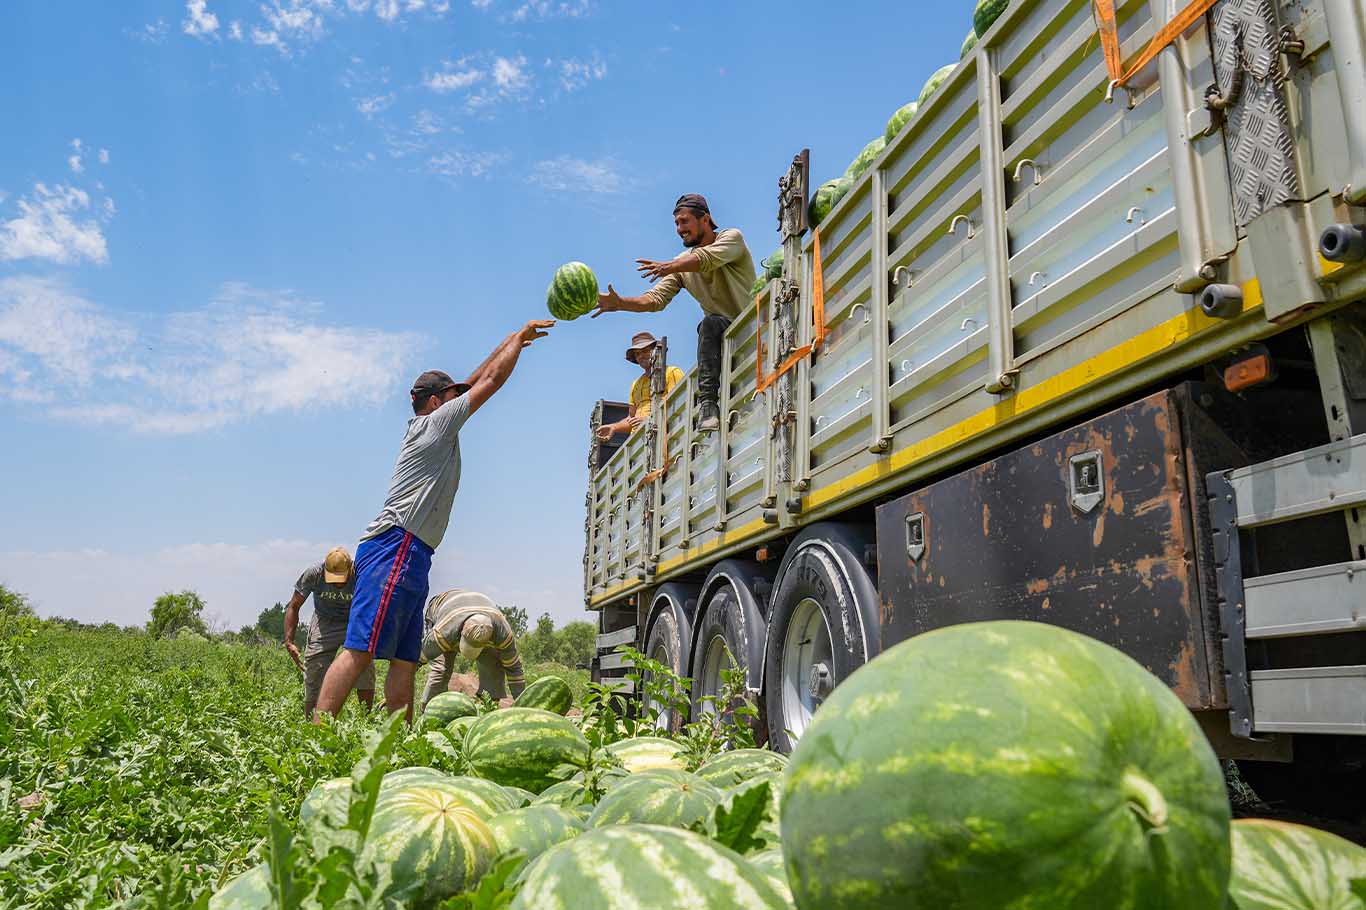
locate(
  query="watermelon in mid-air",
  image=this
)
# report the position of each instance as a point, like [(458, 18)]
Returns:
[(987, 12), (573, 292), (865, 158), (932, 84), (904, 115), (1005, 764), (1279, 865)]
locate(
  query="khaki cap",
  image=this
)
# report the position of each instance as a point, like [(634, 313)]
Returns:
[(475, 635), (337, 566), (640, 341)]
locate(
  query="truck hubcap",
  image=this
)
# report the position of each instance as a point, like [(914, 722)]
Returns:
[(807, 660)]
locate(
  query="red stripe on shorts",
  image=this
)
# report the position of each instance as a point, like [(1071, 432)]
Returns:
[(395, 572)]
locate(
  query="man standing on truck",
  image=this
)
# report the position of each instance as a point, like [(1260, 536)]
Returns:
[(332, 584), (470, 622), (395, 553), (718, 271), (642, 352)]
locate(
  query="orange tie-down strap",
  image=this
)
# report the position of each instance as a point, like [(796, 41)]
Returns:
[(762, 382), (669, 462), (1109, 37)]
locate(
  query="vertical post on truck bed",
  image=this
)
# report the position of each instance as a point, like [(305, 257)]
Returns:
[(1347, 32), (881, 418), (786, 304), (995, 245)]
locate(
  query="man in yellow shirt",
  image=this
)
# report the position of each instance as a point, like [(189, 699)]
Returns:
[(642, 351), (718, 271)]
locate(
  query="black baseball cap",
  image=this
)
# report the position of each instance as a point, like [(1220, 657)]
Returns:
[(434, 382)]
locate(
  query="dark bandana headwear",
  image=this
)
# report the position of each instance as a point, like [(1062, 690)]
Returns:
[(694, 201)]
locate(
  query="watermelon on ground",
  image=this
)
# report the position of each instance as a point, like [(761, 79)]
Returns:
[(932, 84), (573, 292), (987, 12), (519, 796), (550, 693), (969, 43), (641, 753), (460, 726), (432, 845), (629, 867), (904, 115), (738, 765), (770, 863), (323, 815), (1283, 866), (520, 747), (567, 794), (865, 158), (1005, 765), (446, 707), (662, 796), (534, 829), (401, 777), (248, 891)]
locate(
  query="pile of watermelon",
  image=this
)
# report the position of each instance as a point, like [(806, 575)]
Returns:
[(982, 766)]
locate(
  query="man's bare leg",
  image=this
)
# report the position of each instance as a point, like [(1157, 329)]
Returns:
[(398, 687), (340, 678), (366, 697)]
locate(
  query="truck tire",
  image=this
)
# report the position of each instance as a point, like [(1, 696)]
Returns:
[(823, 626), (668, 638), (729, 630)]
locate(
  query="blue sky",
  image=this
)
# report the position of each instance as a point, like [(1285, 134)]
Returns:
[(231, 233)]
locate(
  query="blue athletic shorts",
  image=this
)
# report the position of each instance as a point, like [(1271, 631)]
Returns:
[(391, 591)]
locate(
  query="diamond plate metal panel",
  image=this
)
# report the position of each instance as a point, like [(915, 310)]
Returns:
[(1257, 130)]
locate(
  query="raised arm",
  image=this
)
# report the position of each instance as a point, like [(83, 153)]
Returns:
[(291, 624), (496, 370)]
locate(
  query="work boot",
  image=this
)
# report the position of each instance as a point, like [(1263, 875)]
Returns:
[(708, 416)]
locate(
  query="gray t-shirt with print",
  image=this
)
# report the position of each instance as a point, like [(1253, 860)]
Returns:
[(426, 475), (329, 601)]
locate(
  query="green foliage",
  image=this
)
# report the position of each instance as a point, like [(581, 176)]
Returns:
[(270, 622), (173, 612), (571, 645), (14, 604), (736, 822)]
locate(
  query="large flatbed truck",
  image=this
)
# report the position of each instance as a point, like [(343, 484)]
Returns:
[(1067, 353)]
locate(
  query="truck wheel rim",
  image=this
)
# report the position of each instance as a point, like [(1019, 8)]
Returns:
[(663, 719), (713, 662), (806, 653)]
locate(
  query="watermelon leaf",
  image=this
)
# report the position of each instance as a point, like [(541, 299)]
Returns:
[(369, 771), (1359, 888), (282, 854), (736, 822)]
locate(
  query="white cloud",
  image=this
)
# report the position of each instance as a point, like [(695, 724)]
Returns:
[(427, 123), (565, 174), (386, 9), (199, 22), (235, 30), (453, 81), (296, 19), (510, 74), (74, 162), (541, 10), (49, 226), (262, 38), (374, 105), (575, 74), (151, 33), (104, 156), (463, 163), (261, 352)]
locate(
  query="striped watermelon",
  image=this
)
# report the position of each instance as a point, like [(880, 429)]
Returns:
[(904, 115), (773, 265), (662, 796), (573, 292), (460, 726), (520, 747), (430, 843), (1005, 765), (402, 777), (865, 158), (248, 891), (969, 43), (446, 707), (641, 753), (534, 829), (1281, 866), (549, 693), (329, 799), (932, 84), (986, 13), (770, 863), (629, 867), (827, 197), (567, 794), (738, 765), (519, 796), (482, 797), (758, 286)]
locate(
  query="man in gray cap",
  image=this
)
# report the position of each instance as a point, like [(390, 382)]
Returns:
[(395, 553), (644, 347), (718, 271)]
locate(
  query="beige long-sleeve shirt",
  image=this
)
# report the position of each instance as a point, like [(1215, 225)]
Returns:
[(722, 282)]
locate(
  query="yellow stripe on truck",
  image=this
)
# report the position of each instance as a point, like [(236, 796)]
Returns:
[(1174, 331)]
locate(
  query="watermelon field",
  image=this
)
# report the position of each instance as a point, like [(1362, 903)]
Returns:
[(985, 766)]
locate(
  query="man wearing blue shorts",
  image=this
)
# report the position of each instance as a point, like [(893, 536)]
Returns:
[(395, 553)]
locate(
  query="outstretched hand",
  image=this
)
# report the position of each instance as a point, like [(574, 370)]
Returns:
[(654, 270), (534, 329), (609, 301)]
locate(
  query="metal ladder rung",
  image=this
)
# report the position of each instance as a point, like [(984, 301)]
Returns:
[(1310, 700), (1322, 479), (1319, 600)]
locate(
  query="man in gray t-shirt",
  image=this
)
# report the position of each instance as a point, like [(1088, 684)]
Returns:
[(394, 556), (331, 583)]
